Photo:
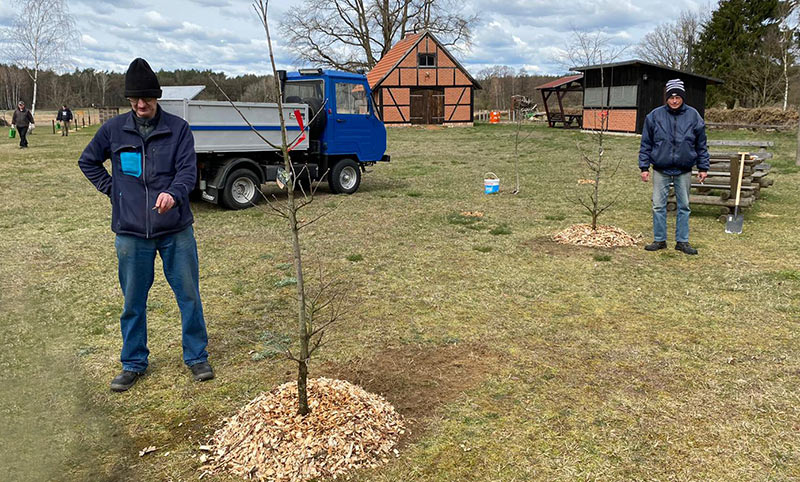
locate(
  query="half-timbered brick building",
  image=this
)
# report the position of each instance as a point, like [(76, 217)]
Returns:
[(419, 82)]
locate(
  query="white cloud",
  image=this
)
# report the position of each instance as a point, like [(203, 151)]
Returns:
[(7, 14), (226, 35), (157, 21), (88, 40)]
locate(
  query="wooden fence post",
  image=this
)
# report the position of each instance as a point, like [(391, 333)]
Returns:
[(797, 154)]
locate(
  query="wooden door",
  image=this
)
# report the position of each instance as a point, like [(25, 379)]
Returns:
[(427, 106)]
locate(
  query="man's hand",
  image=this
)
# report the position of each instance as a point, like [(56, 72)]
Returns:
[(702, 176), (645, 176), (164, 203)]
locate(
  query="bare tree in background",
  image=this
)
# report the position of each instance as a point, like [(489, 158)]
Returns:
[(589, 48), (40, 37), (102, 79), (671, 44), (12, 79), (355, 34), (788, 40)]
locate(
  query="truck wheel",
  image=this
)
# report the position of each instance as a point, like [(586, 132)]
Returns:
[(345, 177), (241, 189)]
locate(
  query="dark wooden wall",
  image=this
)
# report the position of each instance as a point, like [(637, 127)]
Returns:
[(650, 92)]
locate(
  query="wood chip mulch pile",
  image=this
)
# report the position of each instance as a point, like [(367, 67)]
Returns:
[(604, 237), (347, 428)]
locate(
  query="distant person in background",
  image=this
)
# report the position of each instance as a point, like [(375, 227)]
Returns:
[(64, 117), (21, 121), (673, 141)]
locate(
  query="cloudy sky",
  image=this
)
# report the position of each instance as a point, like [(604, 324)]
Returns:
[(226, 35)]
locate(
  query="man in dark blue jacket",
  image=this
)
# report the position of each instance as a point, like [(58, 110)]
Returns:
[(153, 170), (673, 141)]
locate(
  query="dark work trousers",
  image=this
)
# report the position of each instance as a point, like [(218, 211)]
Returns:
[(23, 132)]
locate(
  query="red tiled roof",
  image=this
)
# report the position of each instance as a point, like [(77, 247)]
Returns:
[(559, 82), (392, 57)]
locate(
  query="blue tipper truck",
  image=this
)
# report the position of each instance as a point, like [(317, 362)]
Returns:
[(345, 136)]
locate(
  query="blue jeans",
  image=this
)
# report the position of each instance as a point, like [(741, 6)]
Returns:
[(682, 184), (136, 266)]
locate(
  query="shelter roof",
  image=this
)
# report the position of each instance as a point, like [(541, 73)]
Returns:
[(559, 82), (180, 92), (710, 80)]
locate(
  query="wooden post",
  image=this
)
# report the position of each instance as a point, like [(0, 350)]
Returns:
[(797, 154), (54, 126), (734, 169)]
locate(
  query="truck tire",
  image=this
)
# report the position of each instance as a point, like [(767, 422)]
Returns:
[(241, 189), (345, 177)]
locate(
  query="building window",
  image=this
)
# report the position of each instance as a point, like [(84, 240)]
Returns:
[(620, 96), (427, 60)]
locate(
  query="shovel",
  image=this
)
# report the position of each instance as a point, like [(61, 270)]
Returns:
[(736, 220)]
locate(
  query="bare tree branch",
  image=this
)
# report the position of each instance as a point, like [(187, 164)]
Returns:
[(40, 37), (355, 34)]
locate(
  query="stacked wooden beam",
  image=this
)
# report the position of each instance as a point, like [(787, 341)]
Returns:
[(719, 188)]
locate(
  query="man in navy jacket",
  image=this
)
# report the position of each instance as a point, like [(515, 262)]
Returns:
[(153, 170), (673, 141)]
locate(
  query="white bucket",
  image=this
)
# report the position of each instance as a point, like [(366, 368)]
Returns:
[(491, 183)]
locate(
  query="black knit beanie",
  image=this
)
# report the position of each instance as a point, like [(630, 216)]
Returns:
[(141, 81)]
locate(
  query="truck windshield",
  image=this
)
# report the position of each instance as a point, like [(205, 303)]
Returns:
[(302, 90)]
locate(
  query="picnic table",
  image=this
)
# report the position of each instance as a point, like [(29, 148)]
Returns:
[(567, 119)]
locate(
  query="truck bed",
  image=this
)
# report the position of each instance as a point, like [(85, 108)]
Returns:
[(218, 128)]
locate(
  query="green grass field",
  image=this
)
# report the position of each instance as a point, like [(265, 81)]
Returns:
[(513, 358)]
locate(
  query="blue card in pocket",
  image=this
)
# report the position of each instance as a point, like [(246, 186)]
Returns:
[(131, 163)]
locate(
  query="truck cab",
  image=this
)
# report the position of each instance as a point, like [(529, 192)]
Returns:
[(346, 132), (348, 125), (330, 114)]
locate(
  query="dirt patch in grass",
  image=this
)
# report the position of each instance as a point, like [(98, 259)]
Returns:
[(419, 380), (546, 245)]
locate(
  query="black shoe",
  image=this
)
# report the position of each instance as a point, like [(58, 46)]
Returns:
[(656, 245), (202, 371), (685, 248), (125, 380)]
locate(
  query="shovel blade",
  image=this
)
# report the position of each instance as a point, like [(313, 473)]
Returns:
[(734, 224)]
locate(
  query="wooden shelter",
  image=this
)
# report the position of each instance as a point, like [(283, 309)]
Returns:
[(419, 82), (570, 83), (630, 90)]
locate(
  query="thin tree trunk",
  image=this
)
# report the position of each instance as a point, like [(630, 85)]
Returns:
[(516, 152), (35, 87), (302, 373), (785, 80)]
